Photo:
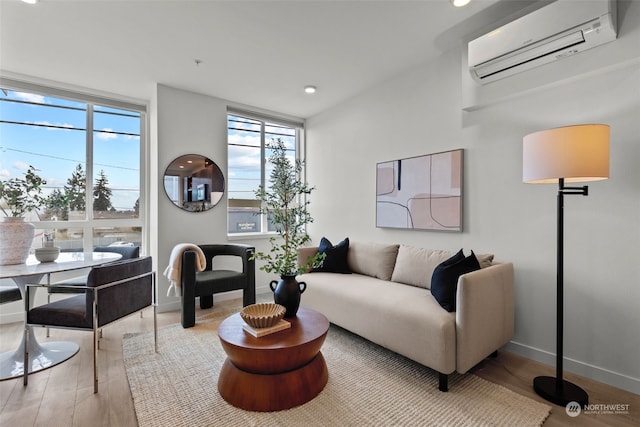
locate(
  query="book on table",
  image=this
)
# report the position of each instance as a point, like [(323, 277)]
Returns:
[(260, 332)]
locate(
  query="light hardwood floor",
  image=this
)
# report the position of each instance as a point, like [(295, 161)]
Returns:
[(63, 395)]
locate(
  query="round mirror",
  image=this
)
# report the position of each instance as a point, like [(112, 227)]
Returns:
[(194, 183)]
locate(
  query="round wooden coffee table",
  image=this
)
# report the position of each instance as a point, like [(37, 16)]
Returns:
[(277, 371)]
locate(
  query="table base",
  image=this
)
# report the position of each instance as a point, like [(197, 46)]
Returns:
[(272, 392), (41, 356)]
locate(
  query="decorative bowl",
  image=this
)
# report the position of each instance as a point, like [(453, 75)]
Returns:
[(262, 315), (47, 254)]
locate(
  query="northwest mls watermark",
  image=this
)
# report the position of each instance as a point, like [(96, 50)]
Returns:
[(574, 409)]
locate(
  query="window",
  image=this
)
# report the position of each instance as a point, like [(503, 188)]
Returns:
[(172, 188), (249, 168), (88, 150)]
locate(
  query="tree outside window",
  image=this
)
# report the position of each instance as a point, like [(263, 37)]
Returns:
[(90, 156)]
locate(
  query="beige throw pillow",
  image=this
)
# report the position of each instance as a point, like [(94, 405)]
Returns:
[(485, 260), (372, 259), (414, 266)]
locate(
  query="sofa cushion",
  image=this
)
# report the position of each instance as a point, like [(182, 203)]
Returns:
[(485, 260), (414, 266), (335, 260), (372, 259), (444, 281), (404, 319)]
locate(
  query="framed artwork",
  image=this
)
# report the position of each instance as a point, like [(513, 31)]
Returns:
[(421, 193)]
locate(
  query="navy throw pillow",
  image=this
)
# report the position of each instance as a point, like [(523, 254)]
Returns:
[(335, 260), (444, 281)]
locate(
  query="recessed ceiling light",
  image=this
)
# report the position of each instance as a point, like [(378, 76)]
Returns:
[(460, 3), (310, 89), (30, 1)]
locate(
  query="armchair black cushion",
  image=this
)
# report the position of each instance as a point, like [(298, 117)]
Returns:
[(211, 281)]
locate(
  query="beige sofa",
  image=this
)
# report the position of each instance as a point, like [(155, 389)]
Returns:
[(387, 301)]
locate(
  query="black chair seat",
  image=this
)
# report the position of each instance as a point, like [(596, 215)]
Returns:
[(69, 312), (208, 282), (9, 294)]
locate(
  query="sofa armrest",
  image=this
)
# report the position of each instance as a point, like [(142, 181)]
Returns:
[(485, 313), (305, 254)]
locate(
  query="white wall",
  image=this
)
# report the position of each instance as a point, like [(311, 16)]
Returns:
[(420, 112), (190, 123), (187, 123)]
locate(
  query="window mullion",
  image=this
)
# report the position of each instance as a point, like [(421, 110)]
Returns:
[(145, 162), (263, 173), (87, 242)]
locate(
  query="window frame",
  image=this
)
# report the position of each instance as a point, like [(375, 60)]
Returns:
[(89, 224), (264, 119)]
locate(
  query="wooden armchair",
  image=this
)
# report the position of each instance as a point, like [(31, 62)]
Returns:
[(205, 283), (113, 291)]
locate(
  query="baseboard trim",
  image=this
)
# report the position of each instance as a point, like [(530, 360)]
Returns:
[(606, 376)]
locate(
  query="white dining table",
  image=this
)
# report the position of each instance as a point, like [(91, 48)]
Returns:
[(43, 355)]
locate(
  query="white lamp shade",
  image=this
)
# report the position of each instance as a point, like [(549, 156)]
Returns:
[(575, 153)]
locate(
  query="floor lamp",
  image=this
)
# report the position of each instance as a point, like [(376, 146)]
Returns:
[(568, 154)]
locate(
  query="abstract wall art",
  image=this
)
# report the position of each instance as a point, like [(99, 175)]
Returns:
[(422, 193)]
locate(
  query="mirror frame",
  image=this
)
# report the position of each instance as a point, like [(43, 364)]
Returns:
[(199, 180)]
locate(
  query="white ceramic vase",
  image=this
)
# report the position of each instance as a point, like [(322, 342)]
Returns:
[(16, 237)]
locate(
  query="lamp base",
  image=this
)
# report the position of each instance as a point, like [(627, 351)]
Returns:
[(546, 388)]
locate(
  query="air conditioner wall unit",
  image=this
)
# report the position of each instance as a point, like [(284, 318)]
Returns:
[(553, 32)]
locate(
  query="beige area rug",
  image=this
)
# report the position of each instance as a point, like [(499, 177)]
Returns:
[(368, 386)]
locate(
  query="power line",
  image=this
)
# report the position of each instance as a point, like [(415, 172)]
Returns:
[(65, 159), (65, 127)]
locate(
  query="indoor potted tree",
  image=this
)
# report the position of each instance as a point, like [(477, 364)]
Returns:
[(285, 203), (18, 196)]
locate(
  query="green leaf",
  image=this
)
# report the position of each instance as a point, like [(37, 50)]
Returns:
[(285, 203)]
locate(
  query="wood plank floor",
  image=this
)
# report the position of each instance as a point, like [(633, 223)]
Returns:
[(63, 395)]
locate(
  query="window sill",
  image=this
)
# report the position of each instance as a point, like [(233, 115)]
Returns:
[(250, 236)]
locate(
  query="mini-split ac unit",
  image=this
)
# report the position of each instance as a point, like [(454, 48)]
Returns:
[(553, 32)]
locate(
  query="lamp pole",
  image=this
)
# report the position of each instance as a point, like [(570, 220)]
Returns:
[(557, 390)]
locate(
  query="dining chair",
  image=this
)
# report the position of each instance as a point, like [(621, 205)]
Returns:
[(76, 285), (9, 294), (113, 291)]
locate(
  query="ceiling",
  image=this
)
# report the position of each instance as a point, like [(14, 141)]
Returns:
[(188, 164), (258, 53)]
